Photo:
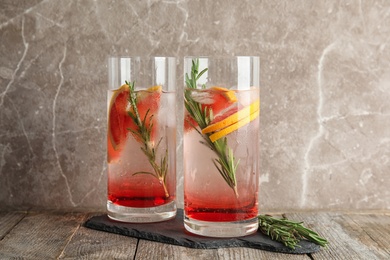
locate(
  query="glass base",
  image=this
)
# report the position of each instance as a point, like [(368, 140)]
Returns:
[(141, 215), (221, 229)]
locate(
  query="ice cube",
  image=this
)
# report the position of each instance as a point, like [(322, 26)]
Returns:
[(166, 112), (203, 97)]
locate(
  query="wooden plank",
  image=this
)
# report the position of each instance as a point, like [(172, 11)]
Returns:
[(341, 245), (40, 235), (250, 253), (99, 245), (153, 250), (373, 231), (8, 220), (347, 239)]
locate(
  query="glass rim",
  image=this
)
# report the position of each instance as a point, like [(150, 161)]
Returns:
[(220, 57), (138, 57)]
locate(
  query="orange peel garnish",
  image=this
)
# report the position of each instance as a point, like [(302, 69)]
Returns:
[(232, 119), (214, 137), (233, 122), (229, 94), (157, 88)]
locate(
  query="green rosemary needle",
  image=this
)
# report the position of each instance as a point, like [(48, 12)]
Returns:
[(225, 163), (288, 232), (143, 133)]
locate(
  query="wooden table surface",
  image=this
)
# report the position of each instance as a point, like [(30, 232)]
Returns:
[(61, 235)]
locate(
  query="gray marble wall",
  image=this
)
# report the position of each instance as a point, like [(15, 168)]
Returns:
[(325, 75)]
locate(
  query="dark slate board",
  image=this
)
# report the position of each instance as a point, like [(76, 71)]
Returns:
[(173, 232)]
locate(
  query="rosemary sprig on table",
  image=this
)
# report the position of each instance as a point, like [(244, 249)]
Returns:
[(143, 133), (288, 232), (225, 163)]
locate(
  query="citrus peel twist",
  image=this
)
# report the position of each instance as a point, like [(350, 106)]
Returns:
[(233, 122)]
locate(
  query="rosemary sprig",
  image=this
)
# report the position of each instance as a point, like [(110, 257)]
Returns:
[(288, 232), (225, 163), (143, 133)]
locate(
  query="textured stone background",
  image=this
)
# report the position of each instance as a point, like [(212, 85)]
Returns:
[(325, 75)]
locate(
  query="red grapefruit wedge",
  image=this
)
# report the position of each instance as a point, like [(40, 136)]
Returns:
[(119, 121), (218, 99)]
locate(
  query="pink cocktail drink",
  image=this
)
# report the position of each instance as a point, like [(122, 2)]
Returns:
[(141, 149), (207, 196), (221, 158), (129, 181)]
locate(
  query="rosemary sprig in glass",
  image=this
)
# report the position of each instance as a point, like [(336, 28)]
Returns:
[(143, 133), (288, 232), (225, 163), (283, 230)]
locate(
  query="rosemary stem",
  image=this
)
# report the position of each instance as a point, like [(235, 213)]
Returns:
[(288, 232), (225, 163), (164, 186), (143, 133)]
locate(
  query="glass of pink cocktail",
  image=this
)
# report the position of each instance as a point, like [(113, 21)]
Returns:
[(221, 145), (141, 139)]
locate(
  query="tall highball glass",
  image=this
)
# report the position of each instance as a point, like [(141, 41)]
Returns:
[(141, 139), (221, 145)]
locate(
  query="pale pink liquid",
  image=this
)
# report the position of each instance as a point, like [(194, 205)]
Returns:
[(144, 190), (207, 196)]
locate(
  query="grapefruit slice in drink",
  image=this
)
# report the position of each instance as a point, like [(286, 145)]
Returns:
[(119, 121), (216, 98)]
